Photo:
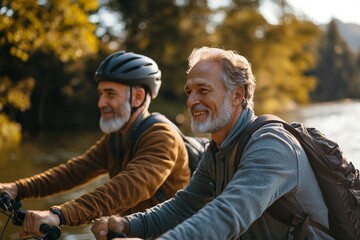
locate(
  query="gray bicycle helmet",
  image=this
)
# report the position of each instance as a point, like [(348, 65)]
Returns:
[(131, 69)]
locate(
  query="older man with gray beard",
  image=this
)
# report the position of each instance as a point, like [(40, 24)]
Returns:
[(141, 174), (221, 202)]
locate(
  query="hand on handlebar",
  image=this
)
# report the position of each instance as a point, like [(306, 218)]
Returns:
[(34, 221), (12, 209), (10, 188), (105, 225)]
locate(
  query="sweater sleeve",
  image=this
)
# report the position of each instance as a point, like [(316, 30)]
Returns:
[(156, 154), (65, 176), (267, 171)]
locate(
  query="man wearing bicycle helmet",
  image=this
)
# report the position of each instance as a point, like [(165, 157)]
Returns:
[(141, 174)]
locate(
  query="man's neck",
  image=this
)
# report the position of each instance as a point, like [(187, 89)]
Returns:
[(219, 136), (132, 119)]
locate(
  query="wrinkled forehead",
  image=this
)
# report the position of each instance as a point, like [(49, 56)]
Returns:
[(205, 72), (206, 65)]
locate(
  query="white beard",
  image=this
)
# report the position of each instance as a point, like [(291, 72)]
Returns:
[(115, 124), (212, 124)]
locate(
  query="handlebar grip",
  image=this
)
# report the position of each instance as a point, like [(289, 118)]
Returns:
[(50, 232), (5, 202), (112, 235)]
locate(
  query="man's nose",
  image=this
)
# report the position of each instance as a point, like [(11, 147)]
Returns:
[(102, 102), (192, 99)]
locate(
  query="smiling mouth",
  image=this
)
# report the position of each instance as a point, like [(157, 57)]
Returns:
[(107, 112), (198, 113)]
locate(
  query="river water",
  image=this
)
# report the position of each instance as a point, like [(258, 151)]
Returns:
[(338, 120)]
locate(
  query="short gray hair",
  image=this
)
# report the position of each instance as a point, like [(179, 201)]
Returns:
[(236, 70)]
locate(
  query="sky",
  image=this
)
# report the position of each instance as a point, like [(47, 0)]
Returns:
[(318, 11), (321, 11)]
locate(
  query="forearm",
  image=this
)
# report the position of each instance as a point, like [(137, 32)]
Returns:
[(67, 175), (43, 184), (254, 187), (61, 178), (163, 217), (121, 193)]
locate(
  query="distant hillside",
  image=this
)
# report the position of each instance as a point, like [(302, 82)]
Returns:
[(350, 32)]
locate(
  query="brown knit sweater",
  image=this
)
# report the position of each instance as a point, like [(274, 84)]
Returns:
[(160, 162)]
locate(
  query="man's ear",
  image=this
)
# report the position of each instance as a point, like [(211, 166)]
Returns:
[(238, 96), (138, 96)]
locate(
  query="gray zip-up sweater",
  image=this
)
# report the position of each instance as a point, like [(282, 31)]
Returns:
[(217, 205)]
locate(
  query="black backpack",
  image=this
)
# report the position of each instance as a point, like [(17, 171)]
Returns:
[(338, 179), (195, 146)]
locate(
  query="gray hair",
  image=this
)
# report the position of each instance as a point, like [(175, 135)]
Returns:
[(236, 70)]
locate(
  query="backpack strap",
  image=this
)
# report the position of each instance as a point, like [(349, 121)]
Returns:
[(141, 128), (144, 125), (248, 132), (153, 118), (282, 209)]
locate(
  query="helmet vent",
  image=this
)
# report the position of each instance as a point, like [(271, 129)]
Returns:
[(153, 73), (130, 69), (118, 65)]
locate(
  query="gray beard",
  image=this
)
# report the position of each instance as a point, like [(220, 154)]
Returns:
[(211, 125), (112, 125), (118, 122)]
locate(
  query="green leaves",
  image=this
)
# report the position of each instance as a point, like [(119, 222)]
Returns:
[(60, 29), (58, 26)]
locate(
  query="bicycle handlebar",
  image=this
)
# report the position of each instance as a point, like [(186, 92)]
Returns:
[(18, 216), (5, 202), (50, 232), (112, 235)]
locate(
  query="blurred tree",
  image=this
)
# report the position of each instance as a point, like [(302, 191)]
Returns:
[(335, 68), (282, 63), (58, 31), (280, 54), (166, 31), (60, 26), (55, 43), (13, 96), (282, 82)]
